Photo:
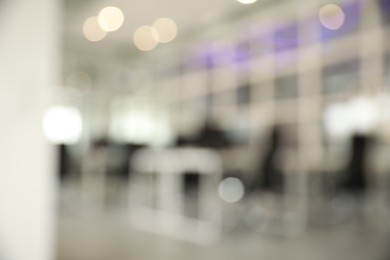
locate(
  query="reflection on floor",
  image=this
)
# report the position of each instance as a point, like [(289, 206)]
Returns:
[(95, 234)]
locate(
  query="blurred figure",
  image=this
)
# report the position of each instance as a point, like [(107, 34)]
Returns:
[(348, 193), (266, 191), (355, 176), (269, 176), (210, 136), (68, 162), (63, 162)]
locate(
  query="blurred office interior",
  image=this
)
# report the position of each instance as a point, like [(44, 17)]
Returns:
[(195, 130)]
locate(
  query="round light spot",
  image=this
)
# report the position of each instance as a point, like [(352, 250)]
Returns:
[(62, 125), (231, 190), (110, 18), (166, 30), (145, 38), (247, 2), (92, 30), (332, 16)]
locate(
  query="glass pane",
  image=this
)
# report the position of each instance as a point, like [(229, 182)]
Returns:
[(286, 38), (285, 45), (286, 87), (341, 77), (243, 94), (384, 6)]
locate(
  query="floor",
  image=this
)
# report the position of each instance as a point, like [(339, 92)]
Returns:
[(101, 233)]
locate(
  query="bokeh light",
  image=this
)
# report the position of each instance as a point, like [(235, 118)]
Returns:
[(231, 190), (92, 30), (62, 125), (360, 115), (145, 38), (247, 2), (166, 30), (332, 16), (110, 18)]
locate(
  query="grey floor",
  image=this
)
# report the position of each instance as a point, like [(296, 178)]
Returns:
[(95, 234)]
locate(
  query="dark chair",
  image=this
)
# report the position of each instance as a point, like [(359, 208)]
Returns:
[(268, 175), (355, 175), (347, 189)]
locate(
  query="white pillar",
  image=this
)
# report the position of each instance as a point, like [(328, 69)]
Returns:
[(28, 74)]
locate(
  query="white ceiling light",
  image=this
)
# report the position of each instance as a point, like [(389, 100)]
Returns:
[(110, 18), (166, 30), (145, 38), (92, 31), (247, 2)]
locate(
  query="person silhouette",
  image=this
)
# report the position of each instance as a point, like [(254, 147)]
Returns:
[(268, 174), (354, 179)]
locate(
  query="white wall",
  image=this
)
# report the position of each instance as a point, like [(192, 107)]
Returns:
[(28, 74)]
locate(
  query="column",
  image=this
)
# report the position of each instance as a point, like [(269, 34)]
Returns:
[(28, 75)]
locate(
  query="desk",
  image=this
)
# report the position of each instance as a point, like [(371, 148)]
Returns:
[(157, 200)]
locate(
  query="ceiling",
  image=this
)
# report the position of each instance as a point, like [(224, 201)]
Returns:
[(192, 18)]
